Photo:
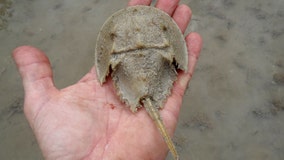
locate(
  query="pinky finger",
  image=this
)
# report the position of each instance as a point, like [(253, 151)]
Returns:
[(194, 45)]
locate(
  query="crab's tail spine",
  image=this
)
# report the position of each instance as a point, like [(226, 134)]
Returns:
[(155, 115)]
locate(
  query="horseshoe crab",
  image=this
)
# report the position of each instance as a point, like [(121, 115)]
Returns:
[(142, 47)]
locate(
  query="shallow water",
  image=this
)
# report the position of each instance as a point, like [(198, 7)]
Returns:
[(233, 108)]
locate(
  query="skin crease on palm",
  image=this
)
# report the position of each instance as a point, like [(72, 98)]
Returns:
[(87, 120)]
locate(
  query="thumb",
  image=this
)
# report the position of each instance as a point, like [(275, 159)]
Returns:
[(36, 74)]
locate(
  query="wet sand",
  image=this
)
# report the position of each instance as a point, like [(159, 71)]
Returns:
[(233, 108)]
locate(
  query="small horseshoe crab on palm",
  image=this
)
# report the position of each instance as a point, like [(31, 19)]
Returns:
[(143, 48)]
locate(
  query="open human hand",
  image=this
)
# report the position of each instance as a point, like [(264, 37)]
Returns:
[(87, 120)]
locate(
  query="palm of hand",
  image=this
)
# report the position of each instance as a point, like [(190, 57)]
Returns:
[(89, 120)]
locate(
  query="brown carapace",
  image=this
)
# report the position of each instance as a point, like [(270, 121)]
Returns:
[(143, 48)]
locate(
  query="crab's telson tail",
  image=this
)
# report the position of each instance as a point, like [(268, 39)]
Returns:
[(155, 115)]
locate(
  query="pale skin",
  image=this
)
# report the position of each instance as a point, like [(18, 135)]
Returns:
[(87, 121)]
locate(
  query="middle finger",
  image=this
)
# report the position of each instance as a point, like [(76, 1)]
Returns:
[(167, 6), (139, 2)]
